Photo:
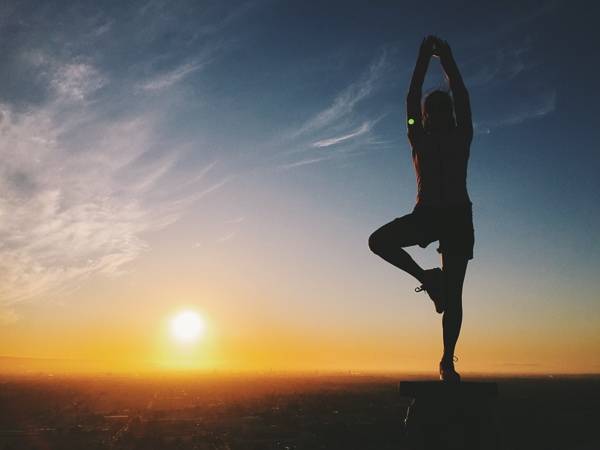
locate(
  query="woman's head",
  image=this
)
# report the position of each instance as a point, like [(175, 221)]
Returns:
[(438, 111)]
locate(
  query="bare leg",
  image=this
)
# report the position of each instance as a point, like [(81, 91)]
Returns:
[(455, 268), (387, 242)]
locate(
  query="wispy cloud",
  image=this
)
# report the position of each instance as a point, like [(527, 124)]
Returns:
[(171, 77), (364, 128), (336, 121), (71, 81), (346, 100), (79, 190), (77, 80), (226, 237), (305, 162), (228, 231), (539, 106), (543, 105), (502, 64)]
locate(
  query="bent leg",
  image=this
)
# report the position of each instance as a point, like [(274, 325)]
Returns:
[(387, 242), (455, 268)]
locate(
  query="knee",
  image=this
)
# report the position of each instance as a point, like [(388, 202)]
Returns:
[(453, 304), (453, 301), (374, 243)]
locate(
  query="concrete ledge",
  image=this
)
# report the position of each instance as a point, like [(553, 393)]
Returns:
[(465, 389), (450, 416)]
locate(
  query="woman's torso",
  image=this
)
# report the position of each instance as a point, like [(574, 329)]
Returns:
[(440, 162)]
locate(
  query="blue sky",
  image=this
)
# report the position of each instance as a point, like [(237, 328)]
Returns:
[(269, 136)]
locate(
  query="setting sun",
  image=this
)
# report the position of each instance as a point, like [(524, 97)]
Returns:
[(187, 326)]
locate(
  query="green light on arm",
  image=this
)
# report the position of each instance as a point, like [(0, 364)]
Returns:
[(411, 121)]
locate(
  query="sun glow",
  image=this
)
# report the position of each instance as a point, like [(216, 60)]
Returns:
[(187, 326)]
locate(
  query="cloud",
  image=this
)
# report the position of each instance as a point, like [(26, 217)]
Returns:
[(540, 106), (346, 100), (305, 162), (88, 167), (506, 63), (168, 79), (79, 190), (335, 120), (543, 105), (226, 237), (364, 128), (76, 81)]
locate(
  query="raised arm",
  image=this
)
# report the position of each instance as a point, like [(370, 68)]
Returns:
[(462, 106), (413, 98)]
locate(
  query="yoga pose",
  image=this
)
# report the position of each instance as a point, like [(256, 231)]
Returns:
[(440, 134)]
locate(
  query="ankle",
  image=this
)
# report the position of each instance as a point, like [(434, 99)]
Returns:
[(447, 359), (420, 276)]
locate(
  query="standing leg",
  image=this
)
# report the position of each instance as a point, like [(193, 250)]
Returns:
[(454, 267)]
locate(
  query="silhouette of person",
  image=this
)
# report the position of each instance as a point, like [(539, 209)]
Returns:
[(440, 133)]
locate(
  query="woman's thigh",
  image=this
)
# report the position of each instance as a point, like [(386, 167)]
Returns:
[(403, 231)]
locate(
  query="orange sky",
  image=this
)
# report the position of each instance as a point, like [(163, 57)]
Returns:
[(128, 330)]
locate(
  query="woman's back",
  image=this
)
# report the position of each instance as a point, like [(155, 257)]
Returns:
[(440, 161)]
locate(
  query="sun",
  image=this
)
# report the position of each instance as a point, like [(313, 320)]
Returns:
[(187, 326)]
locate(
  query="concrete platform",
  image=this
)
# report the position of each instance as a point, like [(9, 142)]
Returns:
[(464, 389), (450, 416)]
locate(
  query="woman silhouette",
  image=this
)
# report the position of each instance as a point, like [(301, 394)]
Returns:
[(440, 135)]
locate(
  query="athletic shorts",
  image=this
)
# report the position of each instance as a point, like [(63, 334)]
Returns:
[(452, 226)]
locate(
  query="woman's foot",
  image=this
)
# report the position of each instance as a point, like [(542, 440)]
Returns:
[(433, 284), (447, 371)]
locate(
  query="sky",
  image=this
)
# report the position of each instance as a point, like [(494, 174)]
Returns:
[(232, 158)]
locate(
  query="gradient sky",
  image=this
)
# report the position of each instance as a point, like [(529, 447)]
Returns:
[(234, 158)]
